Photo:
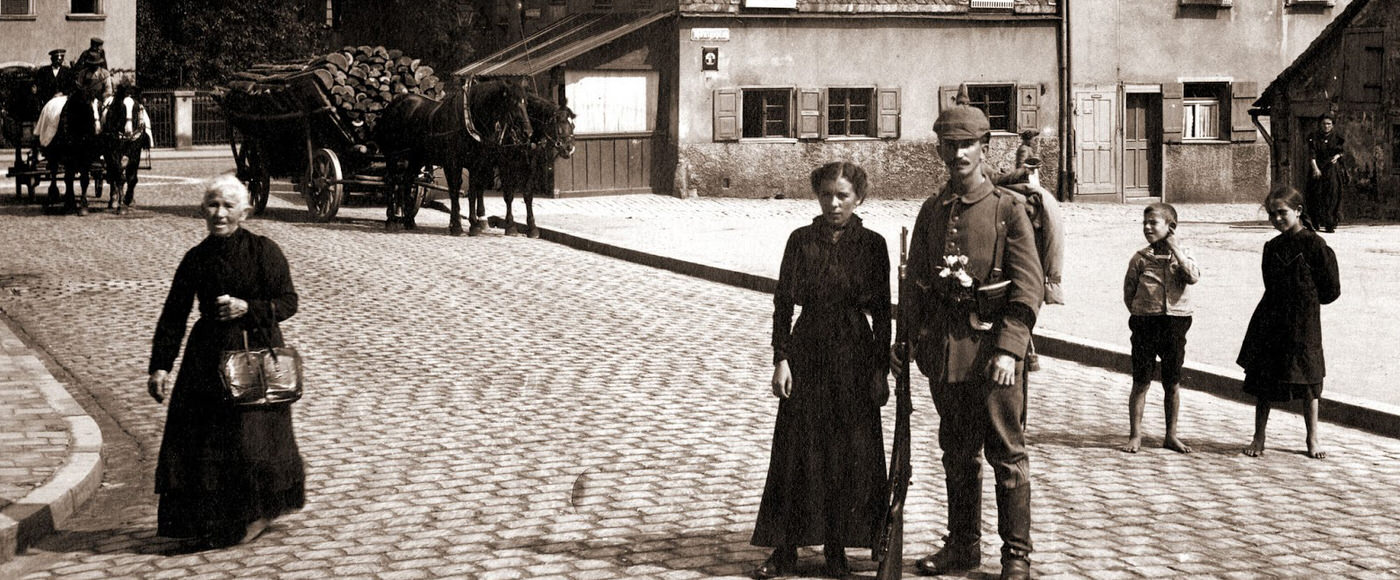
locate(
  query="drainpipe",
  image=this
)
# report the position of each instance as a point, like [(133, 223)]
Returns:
[(1065, 189)]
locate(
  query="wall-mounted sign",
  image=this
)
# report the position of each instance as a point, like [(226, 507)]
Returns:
[(709, 58), (770, 4), (709, 34)]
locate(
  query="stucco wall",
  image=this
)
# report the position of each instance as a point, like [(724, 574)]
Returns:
[(30, 39), (898, 170), (916, 56), (1215, 172)]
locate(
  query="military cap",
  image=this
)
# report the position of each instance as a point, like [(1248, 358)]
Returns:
[(57, 52), (96, 41), (962, 122)]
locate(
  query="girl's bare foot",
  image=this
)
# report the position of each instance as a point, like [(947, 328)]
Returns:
[(255, 529), (1176, 445), (1134, 444), (1315, 451), (1255, 449)]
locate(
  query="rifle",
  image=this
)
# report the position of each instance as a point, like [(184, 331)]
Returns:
[(889, 549)]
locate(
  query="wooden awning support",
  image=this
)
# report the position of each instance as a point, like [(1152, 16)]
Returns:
[(1254, 115)]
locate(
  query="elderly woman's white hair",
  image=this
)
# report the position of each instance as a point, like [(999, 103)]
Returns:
[(227, 184)]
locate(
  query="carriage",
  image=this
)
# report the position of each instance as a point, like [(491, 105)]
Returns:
[(288, 127)]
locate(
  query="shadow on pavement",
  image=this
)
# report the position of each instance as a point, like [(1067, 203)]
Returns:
[(143, 541)]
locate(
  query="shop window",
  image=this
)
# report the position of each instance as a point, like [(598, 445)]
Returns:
[(607, 102), (766, 113), (848, 112), (85, 7), (15, 8), (1203, 106)]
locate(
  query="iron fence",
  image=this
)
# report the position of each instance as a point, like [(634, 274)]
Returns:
[(160, 105), (208, 122)]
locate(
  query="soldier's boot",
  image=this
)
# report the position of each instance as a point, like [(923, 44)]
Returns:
[(1014, 527)]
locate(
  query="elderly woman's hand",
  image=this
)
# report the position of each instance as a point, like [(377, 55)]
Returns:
[(158, 385), (231, 308)]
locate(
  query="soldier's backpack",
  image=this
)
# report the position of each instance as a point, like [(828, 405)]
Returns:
[(1044, 213)]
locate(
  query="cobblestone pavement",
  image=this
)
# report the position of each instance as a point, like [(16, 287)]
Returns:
[(33, 437), (509, 408)]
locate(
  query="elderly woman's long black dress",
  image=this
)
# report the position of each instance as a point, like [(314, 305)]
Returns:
[(826, 477), (223, 466)]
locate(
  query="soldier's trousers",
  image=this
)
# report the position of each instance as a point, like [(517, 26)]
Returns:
[(980, 417)]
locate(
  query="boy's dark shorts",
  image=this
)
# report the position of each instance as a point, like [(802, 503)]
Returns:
[(1158, 336)]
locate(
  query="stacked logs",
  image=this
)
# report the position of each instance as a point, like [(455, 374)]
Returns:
[(360, 82)]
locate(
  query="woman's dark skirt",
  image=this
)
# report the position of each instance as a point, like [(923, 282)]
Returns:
[(1266, 389)]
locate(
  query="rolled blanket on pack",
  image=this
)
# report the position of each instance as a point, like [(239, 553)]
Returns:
[(47, 126)]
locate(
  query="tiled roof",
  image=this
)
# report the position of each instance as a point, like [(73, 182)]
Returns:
[(1326, 38), (874, 7)]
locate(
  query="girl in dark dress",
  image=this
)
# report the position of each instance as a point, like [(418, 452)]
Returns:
[(1282, 351), (224, 471), (1324, 203), (826, 477)]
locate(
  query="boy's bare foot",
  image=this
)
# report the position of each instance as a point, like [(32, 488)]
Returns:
[(1134, 444), (1176, 445), (1254, 450), (1315, 451)]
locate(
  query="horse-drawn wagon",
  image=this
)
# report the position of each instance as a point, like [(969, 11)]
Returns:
[(289, 127)]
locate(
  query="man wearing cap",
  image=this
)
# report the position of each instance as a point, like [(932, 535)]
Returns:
[(54, 78), (95, 57), (970, 341)]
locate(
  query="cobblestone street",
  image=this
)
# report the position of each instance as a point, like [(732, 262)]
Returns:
[(497, 407)]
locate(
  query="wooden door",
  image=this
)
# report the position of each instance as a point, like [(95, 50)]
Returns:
[(1142, 145), (1094, 129)]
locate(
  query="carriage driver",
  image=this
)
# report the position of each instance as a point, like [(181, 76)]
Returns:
[(54, 78), (95, 57)]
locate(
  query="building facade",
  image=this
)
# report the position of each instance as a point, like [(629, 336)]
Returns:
[(1352, 72), (1162, 91), (745, 97), (29, 29)]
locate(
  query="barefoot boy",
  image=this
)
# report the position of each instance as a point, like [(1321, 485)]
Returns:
[(1157, 292)]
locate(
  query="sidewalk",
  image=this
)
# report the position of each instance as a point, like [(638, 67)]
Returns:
[(740, 241), (50, 449)]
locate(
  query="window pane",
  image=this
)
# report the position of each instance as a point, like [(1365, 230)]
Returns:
[(85, 7), (766, 113), (14, 7), (609, 102), (848, 112), (995, 101)]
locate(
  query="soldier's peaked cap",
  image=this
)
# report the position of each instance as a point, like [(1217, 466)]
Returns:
[(96, 40), (962, 121), (57, 52)]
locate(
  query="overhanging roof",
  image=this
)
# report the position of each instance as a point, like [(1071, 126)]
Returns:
[(561, 41), (1327, 37)]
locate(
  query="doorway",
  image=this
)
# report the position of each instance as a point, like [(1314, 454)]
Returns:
[(1142, 146)]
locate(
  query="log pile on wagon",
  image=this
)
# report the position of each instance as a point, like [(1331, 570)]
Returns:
[(360, 82)]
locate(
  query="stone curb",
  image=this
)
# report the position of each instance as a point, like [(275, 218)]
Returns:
[(1375, 417), (47, 507), (201, 152)]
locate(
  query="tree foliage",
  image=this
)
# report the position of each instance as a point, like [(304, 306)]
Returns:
[(196, 43)]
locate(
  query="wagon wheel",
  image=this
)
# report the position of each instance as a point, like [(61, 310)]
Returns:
[(254, 168), (418, 192), (323, 188)]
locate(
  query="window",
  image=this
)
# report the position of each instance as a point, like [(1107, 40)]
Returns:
[(848, 112), (1203, 105), (14, 8), (612, 101), (85, 7), (767, 113), (996, 101), (330, 21)]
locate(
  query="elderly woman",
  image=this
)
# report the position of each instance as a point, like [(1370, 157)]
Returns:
[(224, 471)]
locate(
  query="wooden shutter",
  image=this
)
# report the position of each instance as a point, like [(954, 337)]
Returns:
[(1027, 107), (810, 123), (1172, 118), (727, 110), (887, 107), (1242, 97)]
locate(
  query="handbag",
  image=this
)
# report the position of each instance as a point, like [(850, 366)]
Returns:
[(264, 376)]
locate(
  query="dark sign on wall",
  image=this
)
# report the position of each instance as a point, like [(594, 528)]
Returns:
[(709, 58)]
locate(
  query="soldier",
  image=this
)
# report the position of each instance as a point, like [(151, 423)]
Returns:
[(978, 286), (54, 78)]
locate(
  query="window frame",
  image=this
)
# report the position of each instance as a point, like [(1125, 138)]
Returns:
[(1011, 103), (789, 134), (1218, 104), (96, 8), (28, 13), (871, 119)]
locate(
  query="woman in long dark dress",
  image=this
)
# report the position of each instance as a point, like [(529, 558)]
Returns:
[(1324, 204), (224, 471), (826, 477), (1282, 350)]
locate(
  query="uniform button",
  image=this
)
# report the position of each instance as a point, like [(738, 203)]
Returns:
[(954, 230)]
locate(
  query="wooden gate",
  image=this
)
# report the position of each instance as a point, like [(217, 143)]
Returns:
[(1094, 129), (607, 164)]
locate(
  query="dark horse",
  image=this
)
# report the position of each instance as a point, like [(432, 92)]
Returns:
[(124, 133), (525, 171), (76, 145), (416, 131)]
